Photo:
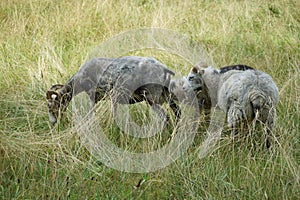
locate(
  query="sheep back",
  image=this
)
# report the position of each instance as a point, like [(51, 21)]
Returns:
[(249, 91)]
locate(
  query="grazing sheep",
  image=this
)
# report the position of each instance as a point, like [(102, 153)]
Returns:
[(128, 80), (198, 86), (243, 93)]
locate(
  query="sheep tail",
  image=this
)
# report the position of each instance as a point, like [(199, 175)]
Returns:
[(257, 99)]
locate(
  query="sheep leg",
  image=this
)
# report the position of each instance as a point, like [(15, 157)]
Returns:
[(160, 111), (154, 101), (270, 122), (235, 115), (175, 108)]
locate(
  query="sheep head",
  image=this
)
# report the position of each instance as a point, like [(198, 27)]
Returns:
[(195, 80), (54, 102)]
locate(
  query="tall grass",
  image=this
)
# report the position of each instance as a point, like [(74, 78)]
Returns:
[(45, 42)]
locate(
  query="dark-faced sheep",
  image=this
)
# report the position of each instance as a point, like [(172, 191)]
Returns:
[(129, 79)]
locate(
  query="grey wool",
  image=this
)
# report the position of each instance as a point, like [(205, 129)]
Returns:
[(129, 80), (244, 94)]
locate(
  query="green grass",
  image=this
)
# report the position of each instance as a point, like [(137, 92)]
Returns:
[(44, 43)]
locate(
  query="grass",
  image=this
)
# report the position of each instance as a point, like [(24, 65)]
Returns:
[(45, 42)]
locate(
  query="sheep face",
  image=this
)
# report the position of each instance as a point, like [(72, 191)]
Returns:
[(195, 83), (54, 101), (194, 80)]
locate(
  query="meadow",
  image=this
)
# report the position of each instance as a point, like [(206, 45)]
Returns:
[(45, 42)]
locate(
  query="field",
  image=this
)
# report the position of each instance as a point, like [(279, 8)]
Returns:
[(45, 42)]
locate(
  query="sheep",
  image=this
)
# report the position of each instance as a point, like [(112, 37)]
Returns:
[(243, 93), (129, 79), (184, 91)]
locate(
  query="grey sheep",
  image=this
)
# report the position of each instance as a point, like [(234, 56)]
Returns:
[(243, 93), (128, 80)]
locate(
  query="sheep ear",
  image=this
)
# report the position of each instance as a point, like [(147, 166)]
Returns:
[(195, 70), (52, 95)]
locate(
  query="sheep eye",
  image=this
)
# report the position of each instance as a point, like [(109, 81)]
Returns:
[(191, 78)]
